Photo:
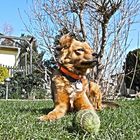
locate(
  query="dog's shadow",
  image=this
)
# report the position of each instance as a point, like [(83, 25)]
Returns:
[(36, 111), (41, 111)]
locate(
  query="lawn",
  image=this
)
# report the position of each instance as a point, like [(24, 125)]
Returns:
[(18, 121)]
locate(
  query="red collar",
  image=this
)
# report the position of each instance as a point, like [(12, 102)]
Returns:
[(69, 73)]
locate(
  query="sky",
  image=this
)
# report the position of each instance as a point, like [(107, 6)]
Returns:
[(10, 17)]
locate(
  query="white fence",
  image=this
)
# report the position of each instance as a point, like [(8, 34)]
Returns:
[(12, 70)]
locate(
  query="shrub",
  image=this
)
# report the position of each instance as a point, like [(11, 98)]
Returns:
[(132, 69), (2, 90), (40, 93), (27, 86), (3, 73)]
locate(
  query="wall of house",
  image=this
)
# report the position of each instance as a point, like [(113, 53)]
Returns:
[(8, 56), (8, 60)]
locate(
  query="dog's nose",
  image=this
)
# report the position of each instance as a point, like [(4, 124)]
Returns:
[(95, 55), (72, 34), (58, 48)]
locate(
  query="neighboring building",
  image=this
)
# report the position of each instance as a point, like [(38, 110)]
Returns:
[(9, 55)]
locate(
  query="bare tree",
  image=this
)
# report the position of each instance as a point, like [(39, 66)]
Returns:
[(105, 24), (7, 29)]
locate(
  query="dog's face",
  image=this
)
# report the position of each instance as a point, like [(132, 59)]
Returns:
[(74, 54)]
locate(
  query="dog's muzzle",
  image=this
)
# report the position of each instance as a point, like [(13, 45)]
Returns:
[(93, 62), (90, 63)]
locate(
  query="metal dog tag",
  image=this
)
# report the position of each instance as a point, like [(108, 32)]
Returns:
[(78, 85)]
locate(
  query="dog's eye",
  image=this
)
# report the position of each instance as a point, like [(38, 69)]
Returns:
[(79, 51)]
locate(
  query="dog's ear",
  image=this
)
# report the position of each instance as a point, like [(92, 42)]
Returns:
[(66, 40)]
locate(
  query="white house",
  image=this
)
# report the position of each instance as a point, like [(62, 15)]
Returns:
[(9, 55)]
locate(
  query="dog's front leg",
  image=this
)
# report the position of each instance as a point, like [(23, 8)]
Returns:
[(95, 96), (61, 107), (82, 102)]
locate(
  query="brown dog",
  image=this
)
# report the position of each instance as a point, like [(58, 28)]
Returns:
[(70, 87)]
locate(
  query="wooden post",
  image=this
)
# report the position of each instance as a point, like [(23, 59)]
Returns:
[(26, 67), (6, 90), (7, 81), (31, 55)]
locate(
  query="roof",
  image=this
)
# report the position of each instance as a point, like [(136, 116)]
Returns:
[(9, 48)]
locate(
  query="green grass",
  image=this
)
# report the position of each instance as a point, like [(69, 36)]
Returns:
[(18, 121)]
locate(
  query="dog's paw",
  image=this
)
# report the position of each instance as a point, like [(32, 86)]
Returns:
[(47, 118), (43, 118)]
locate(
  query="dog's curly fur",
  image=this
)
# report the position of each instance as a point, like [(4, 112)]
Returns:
[(77, 58)]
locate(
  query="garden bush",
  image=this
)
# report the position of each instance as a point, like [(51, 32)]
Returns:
[(132, 69), (27, 87), (3, 73)]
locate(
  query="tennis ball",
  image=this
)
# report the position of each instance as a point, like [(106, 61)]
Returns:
[(87, 120)]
